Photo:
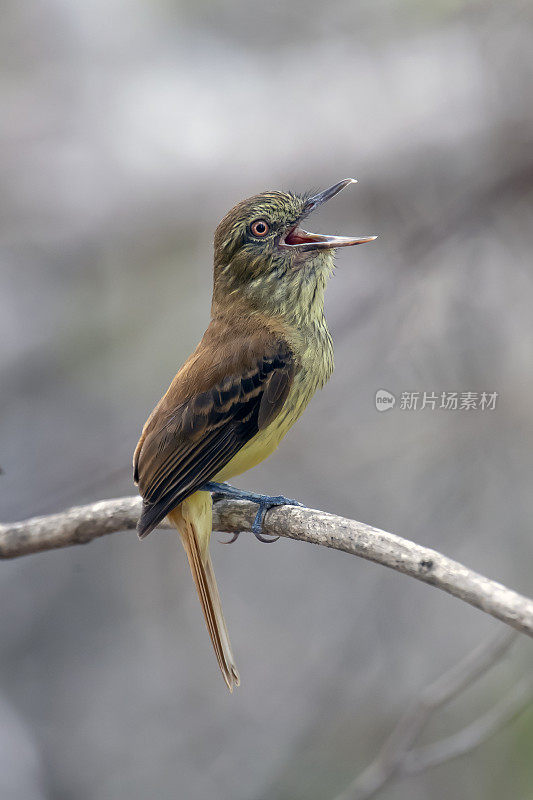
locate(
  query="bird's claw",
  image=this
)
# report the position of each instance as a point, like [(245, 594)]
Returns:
[(234, 538), (265, 504), (264, 501)]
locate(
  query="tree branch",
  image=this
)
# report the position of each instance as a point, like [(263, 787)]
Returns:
[(81, 524), (398, 756), (475, 734)]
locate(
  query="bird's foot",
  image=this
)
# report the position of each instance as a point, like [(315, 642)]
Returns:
[(264, 501)]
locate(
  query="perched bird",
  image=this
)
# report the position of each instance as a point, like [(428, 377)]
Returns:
[(266, 351)]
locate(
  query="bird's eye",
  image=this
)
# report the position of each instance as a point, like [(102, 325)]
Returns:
[(259, 227)]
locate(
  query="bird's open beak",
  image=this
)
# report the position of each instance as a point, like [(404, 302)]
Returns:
[(296, 237)]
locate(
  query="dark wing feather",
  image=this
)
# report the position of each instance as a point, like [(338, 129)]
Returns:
[(197, 438)]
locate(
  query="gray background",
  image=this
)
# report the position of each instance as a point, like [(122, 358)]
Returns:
[(128, 129)]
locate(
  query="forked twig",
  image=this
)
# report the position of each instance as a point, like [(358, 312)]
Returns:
[(398, 756)]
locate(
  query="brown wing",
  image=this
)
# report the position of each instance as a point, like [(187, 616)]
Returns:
[(187, 445)]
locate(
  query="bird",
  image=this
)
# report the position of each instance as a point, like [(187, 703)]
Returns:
[(266, 351)]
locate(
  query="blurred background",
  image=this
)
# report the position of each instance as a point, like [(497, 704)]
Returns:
[(128, 129)]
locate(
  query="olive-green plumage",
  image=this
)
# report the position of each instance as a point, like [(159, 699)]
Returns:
[(266, 351)]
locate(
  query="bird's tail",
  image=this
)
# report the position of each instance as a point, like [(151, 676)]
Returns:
[(193, 519)]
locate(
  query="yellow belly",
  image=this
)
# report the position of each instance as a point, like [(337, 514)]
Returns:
[(256, 450)]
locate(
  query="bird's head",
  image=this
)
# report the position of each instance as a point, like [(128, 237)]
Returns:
[(264, 257)]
